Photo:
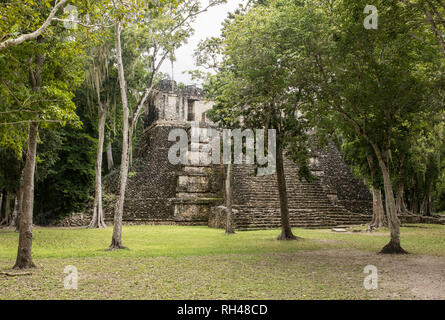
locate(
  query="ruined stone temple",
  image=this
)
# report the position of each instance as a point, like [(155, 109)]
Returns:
[(161, 193)]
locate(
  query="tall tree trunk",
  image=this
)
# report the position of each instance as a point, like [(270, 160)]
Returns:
[(286, 231), (428, 199), (16, 218), (19, 213), (110, 161), (130, 146), (422, 207), (403, 206), (15, 213), (1, 204), (400, 206), (24, 254), (378, 218), (393, 221), (7, 208), (378, 215), (98, 214), (229, 199), (415, 198), (116, 242)]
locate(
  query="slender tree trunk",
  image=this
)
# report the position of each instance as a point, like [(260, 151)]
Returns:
[(403, 206), (20, 203), (130, 147), (116, 242), (423, 206), (24, 254), (15, 222), (98, 220), (3, 215), (286, 231), (378, 218), (400, 198), (400, 202), (7, 208), (415, 198), (428, 200), (229, 199), (393, 221), (1, 204), (110, 161), (15, 213)]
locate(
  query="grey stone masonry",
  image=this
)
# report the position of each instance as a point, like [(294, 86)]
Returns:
[(170, 103), (337, 180), (258, 206), (161, 193)]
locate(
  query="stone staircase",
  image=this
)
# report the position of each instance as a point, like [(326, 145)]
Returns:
[(198, 187), (258, 207)]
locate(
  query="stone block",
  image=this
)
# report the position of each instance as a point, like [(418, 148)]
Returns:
[(192, 212)]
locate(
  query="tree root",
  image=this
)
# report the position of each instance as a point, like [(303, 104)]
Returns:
[(287, 236), (24, 266), (114, 247), (97, 226), (392, 248), (9, 274)]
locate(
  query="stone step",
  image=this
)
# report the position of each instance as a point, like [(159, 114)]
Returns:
[(310, 206), (190, 195)]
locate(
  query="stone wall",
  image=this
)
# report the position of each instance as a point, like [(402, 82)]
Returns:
[(339, 182), (257, 201), (218, 217), (169, 103), (73, 221), (152, 183), (161, 193)]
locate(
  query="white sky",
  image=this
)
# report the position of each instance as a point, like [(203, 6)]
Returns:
[(208, 24)]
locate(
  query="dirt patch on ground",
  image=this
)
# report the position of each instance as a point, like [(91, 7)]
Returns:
[(360, 232), (333, 241), (400, 276), (366, 233)]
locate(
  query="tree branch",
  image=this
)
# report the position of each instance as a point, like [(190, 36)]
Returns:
[(29, 121), (34, 35), (84, 24)]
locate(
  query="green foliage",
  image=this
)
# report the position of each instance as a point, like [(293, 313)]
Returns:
[(70, 179), (49, 147), (382, 89), (264, 78), (10, 170), (52, 105)]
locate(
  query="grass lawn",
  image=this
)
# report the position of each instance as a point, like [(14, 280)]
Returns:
[(170, 262)]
